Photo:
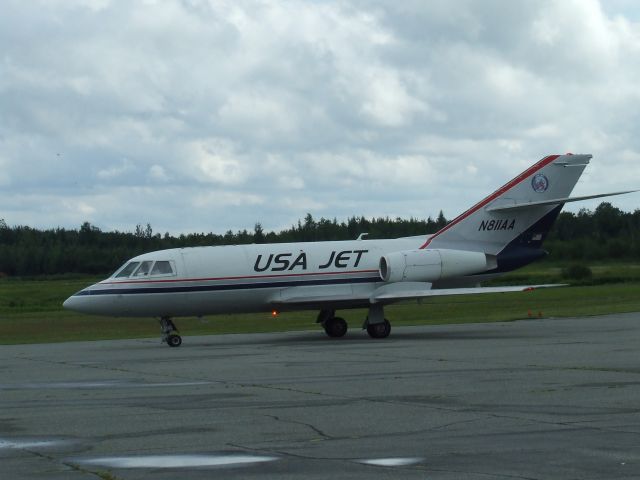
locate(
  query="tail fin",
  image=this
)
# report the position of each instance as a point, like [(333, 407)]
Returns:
[(518, 215)]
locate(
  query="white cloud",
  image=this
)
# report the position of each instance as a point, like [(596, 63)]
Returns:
[(215, 161), (386, 100), (4, 177), (220, 199), (79, 208), (157, 172), (293, 183), (245, 111), (258, 114), (117, 170)]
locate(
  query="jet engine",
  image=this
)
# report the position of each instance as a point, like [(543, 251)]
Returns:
[(430, 265)]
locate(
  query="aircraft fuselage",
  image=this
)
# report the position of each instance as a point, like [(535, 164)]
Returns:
[(241, 278)]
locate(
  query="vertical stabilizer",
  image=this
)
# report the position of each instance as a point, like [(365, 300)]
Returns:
[(520, 212)]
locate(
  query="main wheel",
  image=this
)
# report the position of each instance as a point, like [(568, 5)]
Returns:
[(335, 327), (174, 340), (379, 330)]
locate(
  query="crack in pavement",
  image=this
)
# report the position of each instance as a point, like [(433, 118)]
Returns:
[(96, 473), (297, 422)]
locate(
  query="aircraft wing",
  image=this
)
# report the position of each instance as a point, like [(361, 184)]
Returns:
[(390, 293), (415, 290), (416, 293)]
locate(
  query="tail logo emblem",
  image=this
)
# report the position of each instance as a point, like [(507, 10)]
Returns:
[(540, 183)]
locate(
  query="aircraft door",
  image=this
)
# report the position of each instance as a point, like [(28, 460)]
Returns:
[(181, 264)]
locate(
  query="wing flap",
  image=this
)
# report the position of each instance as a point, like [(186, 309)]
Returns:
[(319, 299)]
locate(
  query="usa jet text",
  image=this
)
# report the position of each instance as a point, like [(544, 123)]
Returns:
[(279, 262)]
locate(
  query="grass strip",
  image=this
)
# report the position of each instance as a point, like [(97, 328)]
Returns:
[(31, 312)]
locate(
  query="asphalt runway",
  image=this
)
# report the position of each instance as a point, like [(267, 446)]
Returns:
[(535, 399)]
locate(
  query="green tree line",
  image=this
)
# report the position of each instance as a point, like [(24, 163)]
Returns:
[(606, 233)]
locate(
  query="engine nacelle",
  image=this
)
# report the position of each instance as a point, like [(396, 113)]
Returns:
[(430, 265)]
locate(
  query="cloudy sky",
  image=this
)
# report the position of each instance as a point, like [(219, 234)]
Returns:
[(199, 115)]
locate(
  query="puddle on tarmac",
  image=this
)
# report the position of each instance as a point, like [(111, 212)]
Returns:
[(18, 444), (180, 461), (391, 462), (175, 461)]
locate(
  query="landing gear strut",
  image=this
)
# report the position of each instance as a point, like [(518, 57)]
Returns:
[(170, 332), (333, 326)]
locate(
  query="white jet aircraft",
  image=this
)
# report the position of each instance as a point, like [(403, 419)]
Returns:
[(503, 232)]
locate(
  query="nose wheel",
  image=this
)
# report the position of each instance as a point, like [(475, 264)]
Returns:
[(170, 332)]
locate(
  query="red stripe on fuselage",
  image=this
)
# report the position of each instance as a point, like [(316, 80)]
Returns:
[(105, 282), (505, 188)]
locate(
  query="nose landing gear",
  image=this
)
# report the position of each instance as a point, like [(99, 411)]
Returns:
[(170, 332)]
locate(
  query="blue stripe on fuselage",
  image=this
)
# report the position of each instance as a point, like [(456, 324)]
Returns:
[(236, 286)]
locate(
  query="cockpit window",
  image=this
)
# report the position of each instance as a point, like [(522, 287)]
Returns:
[(127, 270), (162, 267), (147, 268), (143, 269)]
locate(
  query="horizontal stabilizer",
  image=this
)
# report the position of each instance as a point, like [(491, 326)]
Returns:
[(553, 201)]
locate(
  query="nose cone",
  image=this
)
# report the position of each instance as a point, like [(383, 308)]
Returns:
[(81, 301), (93, 301), (72, 303)]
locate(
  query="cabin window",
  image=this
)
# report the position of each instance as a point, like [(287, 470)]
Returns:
[(143, 269), (162, 267), (127, 269)]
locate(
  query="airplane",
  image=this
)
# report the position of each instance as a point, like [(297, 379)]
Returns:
[(501, 233)]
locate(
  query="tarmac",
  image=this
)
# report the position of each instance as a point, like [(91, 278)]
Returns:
[(532, 399)]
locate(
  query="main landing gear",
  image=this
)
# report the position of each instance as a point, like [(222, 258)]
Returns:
[(333, 326), (376, 325), (378, 330), (170, 332)]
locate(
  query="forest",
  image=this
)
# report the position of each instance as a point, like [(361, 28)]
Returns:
[(607, 233)]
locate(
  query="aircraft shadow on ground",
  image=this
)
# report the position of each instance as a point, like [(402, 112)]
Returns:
[(353, 338)]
